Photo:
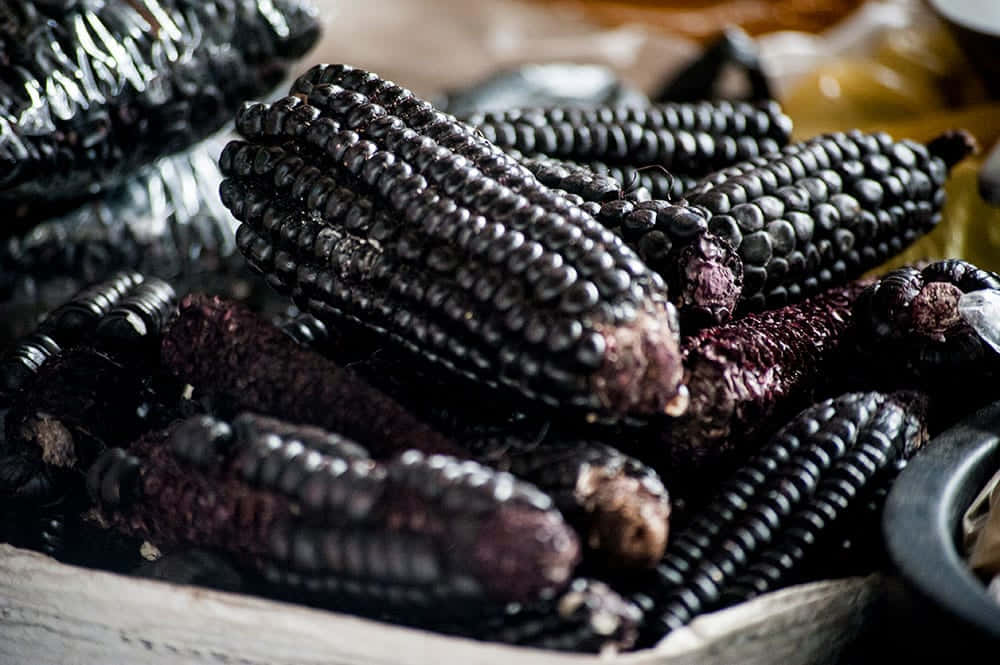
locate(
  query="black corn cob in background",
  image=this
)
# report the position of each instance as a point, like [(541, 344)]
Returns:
[(776, 229), (688, 139), (427, 532), (823, 211), (745, 378), (93, 89), (766, 521), (368, 221), (910, 323)]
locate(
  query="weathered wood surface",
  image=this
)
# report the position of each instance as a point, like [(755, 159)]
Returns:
[(56, 614)]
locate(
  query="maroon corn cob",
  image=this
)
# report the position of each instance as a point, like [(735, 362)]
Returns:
[(245, 363), (749, 375), (414, 531)]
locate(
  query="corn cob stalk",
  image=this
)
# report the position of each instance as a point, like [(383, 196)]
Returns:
[(465, 271), (618, 504), (93, 90), (750, 375), (910, 320), (410, 533), (767, 518)]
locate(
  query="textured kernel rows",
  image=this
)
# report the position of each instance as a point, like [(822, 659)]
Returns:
[(766, 519), (368, 220), (415, 530), (692, 139), (824, 211)]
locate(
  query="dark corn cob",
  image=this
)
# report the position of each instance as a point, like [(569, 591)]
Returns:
[(82, 401), (69, 323), (766, 519), (466, 272), (75, 320), (910, 321), (688, 138), (871, 464), (703, 272), (750, 375), (244, 363), (576, 179), (96, 392), (411, 533), (618, 504), (92, 91), (653, 178), (589, 616), (139, 320), (824, 211), (20, 364), (166, 221)]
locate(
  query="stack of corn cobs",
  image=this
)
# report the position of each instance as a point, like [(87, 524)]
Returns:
[(512, 335)]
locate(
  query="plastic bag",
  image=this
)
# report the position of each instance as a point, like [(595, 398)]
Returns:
[(168, 221), (90, 90)]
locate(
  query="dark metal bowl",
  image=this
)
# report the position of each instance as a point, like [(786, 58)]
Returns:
[(923, 517)]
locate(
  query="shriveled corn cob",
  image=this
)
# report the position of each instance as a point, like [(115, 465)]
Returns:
[(92, 90), (370, 222), (750, 375), (766, 519), (242, 362), (413, 532)]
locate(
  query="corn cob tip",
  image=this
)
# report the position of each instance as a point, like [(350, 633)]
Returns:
[(533, 549), (712, 282), (630, 523), (953, 146), (934, 311), (641, 373)]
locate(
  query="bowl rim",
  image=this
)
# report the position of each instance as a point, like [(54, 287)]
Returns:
[(923, 516), (946, 11)]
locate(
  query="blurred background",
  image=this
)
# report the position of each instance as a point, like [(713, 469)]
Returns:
[(895, 65)]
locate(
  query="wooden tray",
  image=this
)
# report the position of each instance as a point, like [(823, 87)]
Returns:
[(51, 613)]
